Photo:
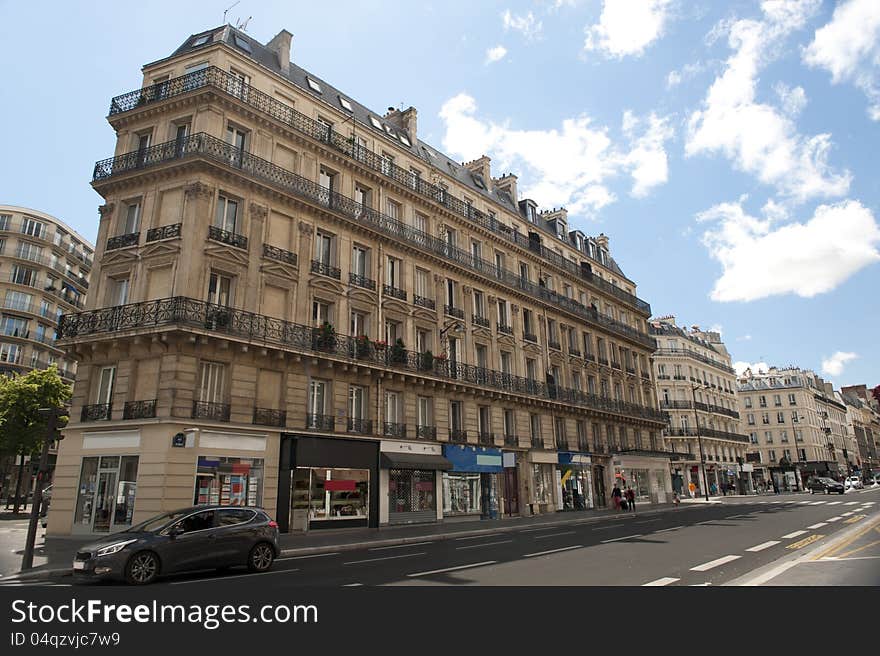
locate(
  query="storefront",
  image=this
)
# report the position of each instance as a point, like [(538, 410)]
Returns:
[(471, 486), (648, 476), (541, 481), (106, 494), (574, 476), (229, 481), (508, 499), (326, 483), (410, 477)]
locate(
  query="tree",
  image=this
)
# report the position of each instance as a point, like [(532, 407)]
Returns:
[(22, 429)]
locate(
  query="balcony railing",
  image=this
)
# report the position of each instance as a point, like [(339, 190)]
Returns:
[(321, 422), (362, 281), (421, 301), (164, 232), (575, 351), (139, 409), (552, 343), (450, 311), (511, 440), (486, 439), (426, 432), (394, 292), (458, 436), (603, 361), (216, 150), (227, 237), (227, 83), (360, 426), (186, 312), (279, 254), (123, 241), (631, 370), (537, 443), (96, 412), (270, 417), (590, 357), (707, 432), (615, 364), (530, 337), (477, 320), (393, 429), (696, 356), (213, 411), (505, 329), (324, 269)]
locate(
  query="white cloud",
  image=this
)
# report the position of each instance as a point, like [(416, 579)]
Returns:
[(495, 54), (833, 366), (848, 47), (570, 165), (627, 27), (792, 100), (757, 137), (756, 367), (762, 258), (744, 338), (526, 25), (686, 72), (716, 328)]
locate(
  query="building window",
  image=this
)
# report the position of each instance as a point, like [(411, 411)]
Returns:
[(791, 400), (392, 407), (394, 272), (768, 437), (24, 276), (33, 227), (118, 291), (509, 422), (780, 418), (132, 218), (455, 416), (219, 289), (226, 217), (535, 427), (324, 249), (358, 324), (223, 481), (212, 379), (360, 259), (357, 402), (505, 362), (317, 398), (424, 409), (483, 420), (321, 312), (748, 402)]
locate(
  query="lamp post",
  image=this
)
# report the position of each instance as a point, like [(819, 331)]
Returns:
[(694, 389), (457, 328)]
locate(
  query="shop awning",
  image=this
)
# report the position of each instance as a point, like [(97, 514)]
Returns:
[(391, 460)]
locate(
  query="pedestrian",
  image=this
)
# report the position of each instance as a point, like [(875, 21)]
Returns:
[(675, 499), (713, 489), (630, 499), (616, 496), (692, 488)]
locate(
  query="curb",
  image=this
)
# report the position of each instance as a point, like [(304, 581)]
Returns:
[(37, 575)]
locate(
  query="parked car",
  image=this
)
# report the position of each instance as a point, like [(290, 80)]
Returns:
[(854, 482), (199, 537), (825, 485)]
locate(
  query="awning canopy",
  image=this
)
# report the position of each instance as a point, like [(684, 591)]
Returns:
[(392, 460)]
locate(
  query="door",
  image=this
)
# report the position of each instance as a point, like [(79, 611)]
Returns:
[(234, 535), (195, 548), (511, 492), (236, 139), (105, 495), (599, 486)]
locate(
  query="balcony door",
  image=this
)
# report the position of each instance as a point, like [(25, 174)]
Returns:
[(220, 289)]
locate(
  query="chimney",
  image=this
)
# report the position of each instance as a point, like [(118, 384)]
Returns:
[(506, 183), (602, 241), (403, 120), (481, 167), (280, 45)]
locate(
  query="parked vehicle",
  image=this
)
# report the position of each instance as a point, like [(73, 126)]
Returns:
[(825, 485), (199, 537), (854, 482)]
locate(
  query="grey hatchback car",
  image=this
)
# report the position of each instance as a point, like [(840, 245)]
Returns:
[(199, 537)]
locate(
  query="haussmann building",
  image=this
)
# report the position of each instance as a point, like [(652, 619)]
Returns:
[(298, 304)]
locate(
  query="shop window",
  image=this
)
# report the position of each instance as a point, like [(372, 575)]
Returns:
[(329, 494), (106, 494), (461, 493), (229, 481), (543, 479), (411, 490)]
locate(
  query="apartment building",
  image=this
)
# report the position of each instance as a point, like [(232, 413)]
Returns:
[(696, 385), (863, 427), (796, 426), (327, 317)]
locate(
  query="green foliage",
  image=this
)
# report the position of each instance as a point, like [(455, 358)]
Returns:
[(22, 429)]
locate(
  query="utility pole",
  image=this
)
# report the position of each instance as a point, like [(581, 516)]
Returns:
[(54, 417)]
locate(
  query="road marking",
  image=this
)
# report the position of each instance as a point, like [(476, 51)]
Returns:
[(353, 585), (818, 503), (666, 530), (818, 525), (847, 514), (553, 535), (708, 521), (648, 521), (714, 563), (237, 576), (373, 560), (453, 569), (851, 503), (763, 545), (625, 537), (807, 540), (834, 503), (534, 530), (700, 585), (335, 553), (666, 580), (473, 537), (605, 528), (833, 519), (869, 503), (738, 516), (852, 558), (399, 546), (485, 544), (542, 553), (854, 519)]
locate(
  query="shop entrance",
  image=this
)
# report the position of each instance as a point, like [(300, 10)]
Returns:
[(511, 491), (599, 486), (105, 499)]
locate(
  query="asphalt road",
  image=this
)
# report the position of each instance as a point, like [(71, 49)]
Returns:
[(709, 545)]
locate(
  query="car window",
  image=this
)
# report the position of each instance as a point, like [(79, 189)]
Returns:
[(230, 516), (197, 522)]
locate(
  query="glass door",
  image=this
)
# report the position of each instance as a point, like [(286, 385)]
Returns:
[(105, 496)]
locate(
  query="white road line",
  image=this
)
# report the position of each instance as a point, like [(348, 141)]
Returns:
[(714, 563), (737, 516), (818, 503), (648, 521), (806, 503), (818, 525), (553, 535), (847, 514), (851, 503), (834, 503), (605, 528), (666, 580), (543, 553), (485, 544), (373, 560), (534, 530), (708, 521), (473, 537), (762, 546), (666, 530), (625, 537), (793, 535), (848, 558), (398, 546), (353, 585), (453, 569), (833, 519), (237, 576), (869, 503), (321, 555)]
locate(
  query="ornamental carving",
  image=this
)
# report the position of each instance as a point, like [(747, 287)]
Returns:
[(438, 278), (259, 212), (305, 228), (106, 210), (491, 298), (514, 309), (198, 190), (466, 289)]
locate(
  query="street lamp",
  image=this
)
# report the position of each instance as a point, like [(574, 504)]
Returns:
[(694, 389), (457, 328)]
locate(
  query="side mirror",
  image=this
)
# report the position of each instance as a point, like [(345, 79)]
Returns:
[(174, 531)]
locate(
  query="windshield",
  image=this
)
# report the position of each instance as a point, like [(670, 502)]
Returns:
[(156, 523)]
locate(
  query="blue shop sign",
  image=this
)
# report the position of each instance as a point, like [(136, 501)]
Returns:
[(473, 458), (574, 458)]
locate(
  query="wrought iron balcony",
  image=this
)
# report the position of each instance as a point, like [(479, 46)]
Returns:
[(321, 422), (590, 357), (504, 329), (486, 439), (226, 237), (324, 269), (139, 409), (279, 254), (678, 378), (537, 443), (631, 370), (603, 361), (552, 343), (707, 432), (421, 301), (695, 356), (530, 337), (615, 364), (477, 320), (96, 412), (511, 440), (270, 417), (583, 445), (122, 241), (458, 436), (362, 281), (575, 351), (360, 426), (164, 232), (393, 429), (426, 432), (394, 292), (213, 411), (450, 311)]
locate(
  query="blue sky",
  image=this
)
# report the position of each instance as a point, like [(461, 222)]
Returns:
[(725, 148)]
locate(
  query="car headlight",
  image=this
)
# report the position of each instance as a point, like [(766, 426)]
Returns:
[(115, 548)]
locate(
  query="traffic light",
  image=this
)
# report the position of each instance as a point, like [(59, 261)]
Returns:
[(60, 424)]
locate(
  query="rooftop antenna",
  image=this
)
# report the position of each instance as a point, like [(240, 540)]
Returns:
[(243, 26), (227, 10)]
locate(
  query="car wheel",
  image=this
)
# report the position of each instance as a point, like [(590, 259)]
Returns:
[(812, 491), (142, 568), (261, 557)]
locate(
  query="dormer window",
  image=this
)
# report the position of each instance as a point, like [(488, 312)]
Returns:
[(345, 104), (241, 43), (375, 122), (202, 40), (404, 139), (314, 86)]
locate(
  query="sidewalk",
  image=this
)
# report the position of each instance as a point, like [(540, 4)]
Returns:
[(59, 551)]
